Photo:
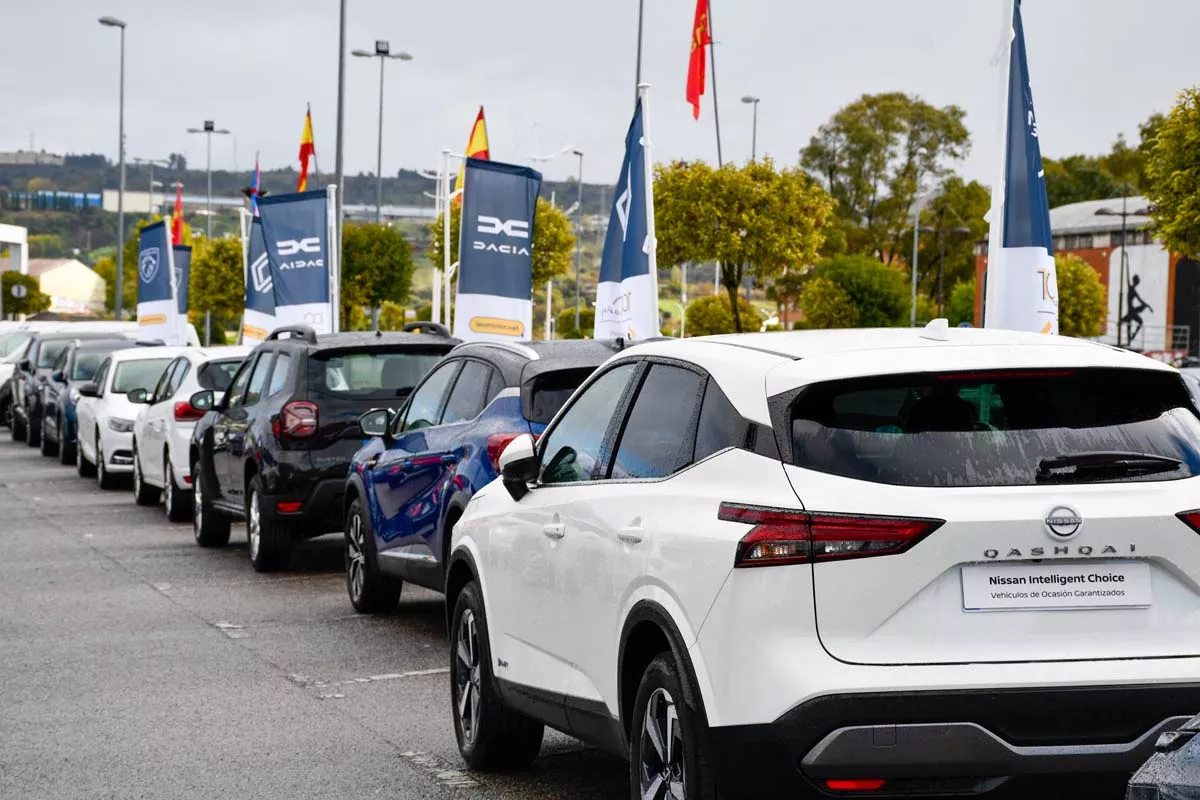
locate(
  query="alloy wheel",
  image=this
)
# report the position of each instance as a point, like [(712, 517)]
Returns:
[(197, 499), (253, 526), (355, 558), (660, 750), (467, 675), (137, 473), (100, 471)]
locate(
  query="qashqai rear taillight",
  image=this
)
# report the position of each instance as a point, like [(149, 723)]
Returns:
[(298, 419), (791, 536)]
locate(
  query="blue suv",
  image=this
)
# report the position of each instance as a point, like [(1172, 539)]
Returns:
[(410, 484)]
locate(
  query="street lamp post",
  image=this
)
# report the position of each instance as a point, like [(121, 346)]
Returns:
[(208, 130), (578, 236), (113, 22), (754, 130), (383, 53)]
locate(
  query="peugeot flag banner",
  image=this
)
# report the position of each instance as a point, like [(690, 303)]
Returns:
[(181, 257), (157, 309), (495, 272), (295, 228), (1021, 289), (627, 296), (258, 318)]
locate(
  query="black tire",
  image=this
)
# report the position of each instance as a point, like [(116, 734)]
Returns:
[(48, 448), (209, 526), (6, 413), (66, 450), (16, 428), (84, 467), (491, 736), (177, 502), (104, 478), (370, 591), (33, 430), (664, 692), (270, 541), (143, 493)]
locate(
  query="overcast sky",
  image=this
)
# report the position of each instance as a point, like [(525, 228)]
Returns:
[(561, 72)]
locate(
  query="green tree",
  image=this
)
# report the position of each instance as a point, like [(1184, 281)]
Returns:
[(564, 322), (827, 305), (959, 207), (1173, 172), (880, 293), (707, 316), (377, 265), (48, 245), (217, 282), (33, 301), (871, 156), (1075, 179), (755, 220), (392, 316), (1082, 306), (961, 307), (553, 241)]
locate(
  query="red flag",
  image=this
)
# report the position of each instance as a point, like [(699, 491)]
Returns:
[(177, 216), (701, 38)]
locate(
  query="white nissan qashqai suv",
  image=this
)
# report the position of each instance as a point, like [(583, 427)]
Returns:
[(859, 562)]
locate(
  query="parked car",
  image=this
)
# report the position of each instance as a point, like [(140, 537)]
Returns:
[(31, 374), (886, 562), (104, 414), (408, 487), (60, 393), (13, 346), (1173, 772), (162, 431), (276, 449)]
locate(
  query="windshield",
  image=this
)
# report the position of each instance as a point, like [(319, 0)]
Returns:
[(12, 345), (50, 352), (86, 363), (141, 374), (217, 375), (374, 374), (1008, 428)]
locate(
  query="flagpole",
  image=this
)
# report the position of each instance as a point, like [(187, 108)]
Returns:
[(651, 240), (712, 56), (993, 277), (637, 79), (335, 258), (242, 214)]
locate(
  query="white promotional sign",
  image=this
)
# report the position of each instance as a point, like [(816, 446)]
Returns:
[(1046, 587)]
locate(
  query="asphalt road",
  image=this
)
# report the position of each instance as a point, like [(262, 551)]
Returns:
[(133, 664)]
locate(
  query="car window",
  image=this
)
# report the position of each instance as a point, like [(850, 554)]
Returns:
[(658, 438), (180, 376), (258, 380), (720, 424), (374, 374), (160, 390), (86, 363), (49, 352), (101, 376), (12, 343), (425, 406), (549, 391), (61, 362), (470, 390), (573, 450), (217, 375), (495, 386), (140, 374), (281, 375), (32, 355), (233, 398)]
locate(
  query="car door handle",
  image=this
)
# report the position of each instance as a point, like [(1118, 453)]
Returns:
[(631, 535), (555, 531)]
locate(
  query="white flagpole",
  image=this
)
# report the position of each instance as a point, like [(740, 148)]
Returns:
[(335, 258), (549, 297), (171, 272), (447, 267), (994, 288), (245, 235), (651, 245)]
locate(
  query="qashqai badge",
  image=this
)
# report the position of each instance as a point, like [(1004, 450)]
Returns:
[(1063, 522)]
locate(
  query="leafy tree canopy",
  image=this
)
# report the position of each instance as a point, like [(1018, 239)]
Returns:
[(827, 305), (377, 265), (1082, 306), (1173, 169), (880, 293), (33, 301), (708, 316)]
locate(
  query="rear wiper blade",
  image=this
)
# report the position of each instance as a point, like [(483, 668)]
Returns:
[(1094, 465)]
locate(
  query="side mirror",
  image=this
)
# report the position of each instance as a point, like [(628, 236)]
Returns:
[(203, 401), (518, 466), (58, 376), (376, 422), (138, 396), (89, 389)]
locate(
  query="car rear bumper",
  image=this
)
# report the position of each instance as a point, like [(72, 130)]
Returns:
[(966, 741), (319, 511)]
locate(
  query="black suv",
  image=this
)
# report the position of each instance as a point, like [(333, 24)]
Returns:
[(275, 451)]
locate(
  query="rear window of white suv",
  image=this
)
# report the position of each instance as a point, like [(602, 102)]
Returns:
[(1001, 428)]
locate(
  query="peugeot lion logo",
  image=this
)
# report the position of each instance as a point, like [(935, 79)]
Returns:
[(148, 264), (1063, 522)]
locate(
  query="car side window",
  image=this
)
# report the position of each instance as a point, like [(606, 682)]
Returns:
[(281, 375), (181, 373), (467, 397), (233, 398), (495, 386), (258, 380), (101, 376), (659, 433), (425, 407), (161, 390), (720, 424), (573, 451)]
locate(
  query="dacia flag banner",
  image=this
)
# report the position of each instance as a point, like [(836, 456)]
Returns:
[(258, 318), (1022, 287), (627, 296), (296, 230), (495, 271), (181, 256), (157, 308)]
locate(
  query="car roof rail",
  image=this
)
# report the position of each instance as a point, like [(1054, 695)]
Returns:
[(424, 326), (294, 332)]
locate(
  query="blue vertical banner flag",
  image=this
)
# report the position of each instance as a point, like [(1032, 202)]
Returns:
[(181, 259), (1021, 288), (495, 270), (157, 308), (627, 295), (295, 229), (258, 317)]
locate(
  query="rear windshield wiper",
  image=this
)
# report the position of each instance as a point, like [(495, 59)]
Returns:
[(1083, 466)]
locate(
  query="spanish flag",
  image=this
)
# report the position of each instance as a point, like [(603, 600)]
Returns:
[(307, 150), (477, 147)]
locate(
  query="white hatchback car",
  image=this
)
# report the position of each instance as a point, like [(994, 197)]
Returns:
[(861, 562), (162, 431), (105, 416)]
